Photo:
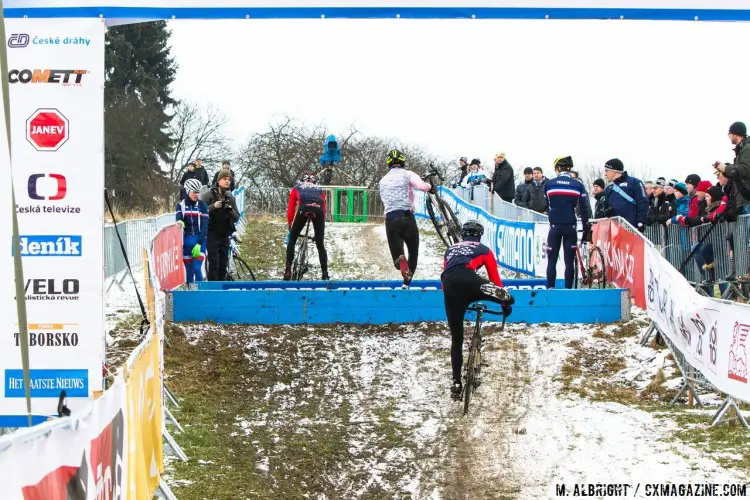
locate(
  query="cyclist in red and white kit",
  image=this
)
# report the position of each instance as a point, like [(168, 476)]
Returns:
[(462, 286)]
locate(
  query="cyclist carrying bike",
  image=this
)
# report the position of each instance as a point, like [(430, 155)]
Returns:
[(306, 201), (397, 192), (564, 193), (192, 214), (462, 286)]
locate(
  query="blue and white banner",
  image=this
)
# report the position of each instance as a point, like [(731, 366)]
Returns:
[(518, 246)]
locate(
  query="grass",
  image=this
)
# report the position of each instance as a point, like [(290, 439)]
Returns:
[(726, 442)]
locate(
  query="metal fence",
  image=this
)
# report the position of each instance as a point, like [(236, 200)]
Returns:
[(273, 202), (727, 241), (136, 234), (482, 197)]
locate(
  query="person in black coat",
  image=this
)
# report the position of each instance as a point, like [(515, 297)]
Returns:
[(520, 198), (503, 179), (224, 166)]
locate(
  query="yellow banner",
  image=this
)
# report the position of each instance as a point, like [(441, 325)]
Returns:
[(144, 424)]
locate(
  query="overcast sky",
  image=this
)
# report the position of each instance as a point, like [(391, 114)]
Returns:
[(661, 94)]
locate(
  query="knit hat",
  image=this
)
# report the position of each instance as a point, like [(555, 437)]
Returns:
[(599, 182), (673, 182), (224, 173), (693, 179), (527, 170), (615, 165), (500, 155), (738, 128), (703, 186), (715, 192), (463, 159), (681, 187), (660, 182), (475, 161)]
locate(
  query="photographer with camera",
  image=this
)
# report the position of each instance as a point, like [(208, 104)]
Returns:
[(222, 214)]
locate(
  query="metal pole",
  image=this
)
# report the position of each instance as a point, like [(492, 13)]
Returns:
[(17, 263)]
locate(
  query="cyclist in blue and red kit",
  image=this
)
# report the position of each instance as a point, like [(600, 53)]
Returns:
[(564, 193), (462, 286), (306, 201), (192, 214)]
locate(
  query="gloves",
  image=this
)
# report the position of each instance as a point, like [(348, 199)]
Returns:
[(197, 250), (286, 238), (182, 223)]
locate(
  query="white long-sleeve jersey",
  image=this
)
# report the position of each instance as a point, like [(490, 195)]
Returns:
[(397, 189)]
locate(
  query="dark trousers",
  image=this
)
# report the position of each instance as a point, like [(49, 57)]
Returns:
[(461, 287), (400, 231), (565, 236), (319, 225), (217, 247)]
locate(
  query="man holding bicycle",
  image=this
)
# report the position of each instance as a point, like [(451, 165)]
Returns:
[(397, 192), (564, 193), (462, 286), (306, 201)]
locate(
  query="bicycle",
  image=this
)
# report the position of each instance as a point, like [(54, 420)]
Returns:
[(590, 268), (299, 265), (474, 360), (445, 221), (237, 268)]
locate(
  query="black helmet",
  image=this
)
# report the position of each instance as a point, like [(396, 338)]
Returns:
[(308, 177), (564, 163), (395, 158), (472, 229)]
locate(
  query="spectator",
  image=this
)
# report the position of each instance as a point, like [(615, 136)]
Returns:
[(739, 173), (682, 200), (463, 165), (192, 214), (536, 199), (649, 185), (666, 209), (730, 215), (189, 173), (331, 157), (656, 201), (201, 173), (520, 198), (691, 181), (574, 174), (224, 166), (625, 195), (503, 179), (476, 175), (601, 208), (222, 214)]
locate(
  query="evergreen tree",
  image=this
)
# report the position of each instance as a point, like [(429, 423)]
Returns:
[(137, 98)]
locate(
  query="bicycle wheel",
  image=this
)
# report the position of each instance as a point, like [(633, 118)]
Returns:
[(433, 210), (453, 225), (471, 365), (597, 269), (242, 271), (300, 259)]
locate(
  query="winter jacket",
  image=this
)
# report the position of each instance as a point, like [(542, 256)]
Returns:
[(536, 198), (682, 206), (633, 206), (666, 210), (739, 172), (708, 213), (331, 152), (475, 178), (520, 198), (502, 181), (564, 193), (221, 220), (601, 209)]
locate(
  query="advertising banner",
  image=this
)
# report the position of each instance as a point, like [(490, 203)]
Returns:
[(72, 459), (624, 255), (144, 420), (167, 255), (711, 334), (56, 80)]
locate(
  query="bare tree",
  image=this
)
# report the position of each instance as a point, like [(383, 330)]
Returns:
[(196, 132)]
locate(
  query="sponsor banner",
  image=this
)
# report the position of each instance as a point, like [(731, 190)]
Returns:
[(239, 195), (167, 256), (145, 419), (56, 78), (78, 457), (518, 246), (711, 334), (623, 252)]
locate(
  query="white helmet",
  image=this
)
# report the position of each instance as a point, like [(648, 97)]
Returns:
[(193, 186)]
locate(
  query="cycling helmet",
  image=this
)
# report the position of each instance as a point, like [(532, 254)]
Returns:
[(395, 158), (564, 163), (308, 177), (472, 229), (193, 186)]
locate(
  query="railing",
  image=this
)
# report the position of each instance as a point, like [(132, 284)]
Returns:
[(482, 197)]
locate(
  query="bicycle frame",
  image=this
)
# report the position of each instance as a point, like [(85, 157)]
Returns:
[(474, 359), (299, 265)]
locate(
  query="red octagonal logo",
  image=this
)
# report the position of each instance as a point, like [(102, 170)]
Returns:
[(47, 129)]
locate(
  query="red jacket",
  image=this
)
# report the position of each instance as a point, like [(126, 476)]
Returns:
[(473, 255)]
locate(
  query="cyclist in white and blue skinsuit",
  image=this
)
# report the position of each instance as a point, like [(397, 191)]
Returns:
[(192, 214)]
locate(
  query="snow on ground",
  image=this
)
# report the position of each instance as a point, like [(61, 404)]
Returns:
[(523, 432)]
